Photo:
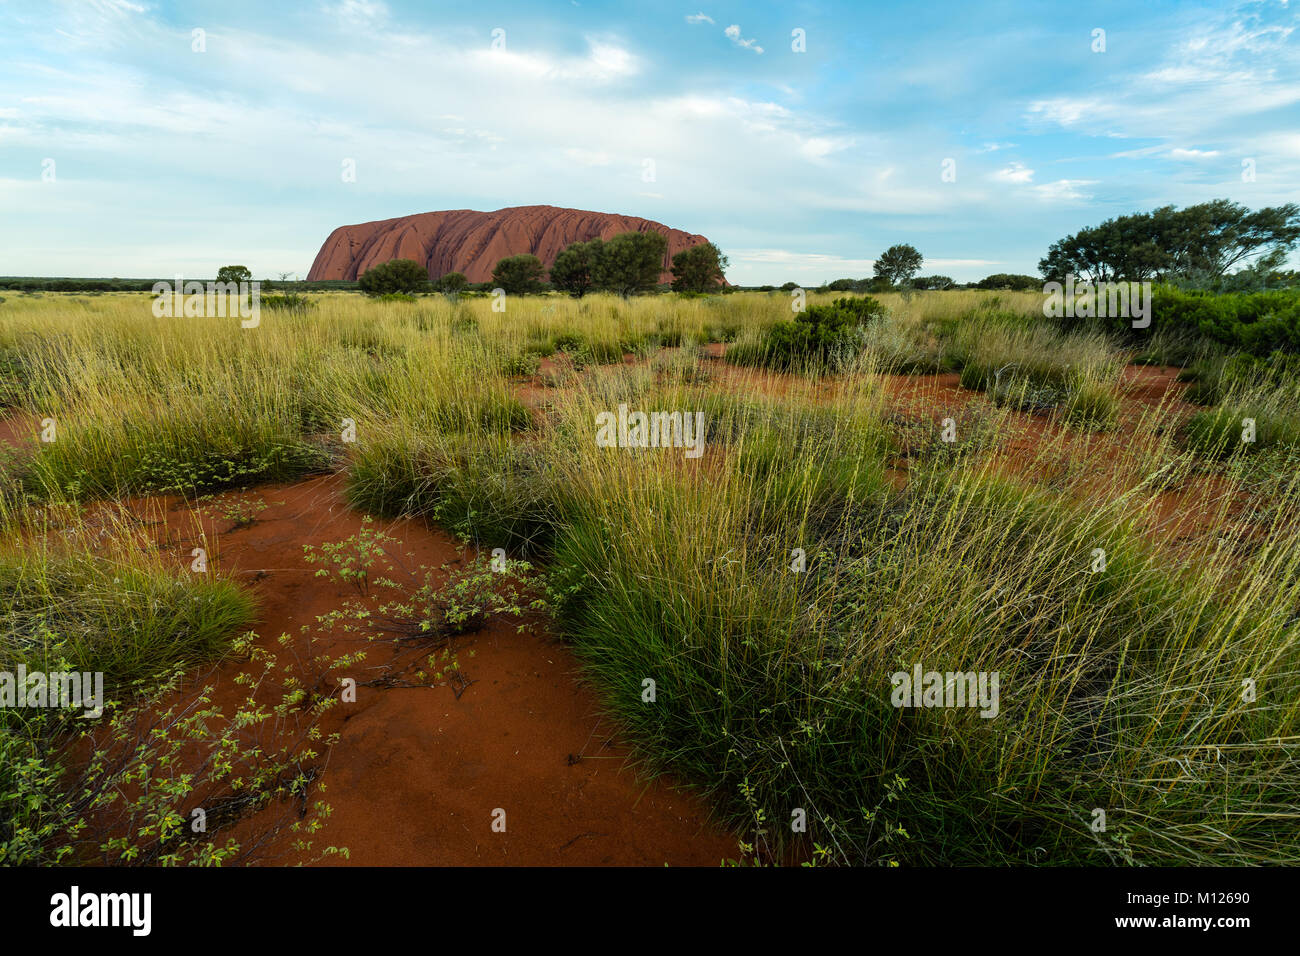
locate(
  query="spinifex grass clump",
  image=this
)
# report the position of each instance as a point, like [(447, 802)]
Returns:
[(1032, 366), (199, 404), (1245, 422), (1216, 376), (132, 624), (903, 346), (1120, 682), (486, 488)]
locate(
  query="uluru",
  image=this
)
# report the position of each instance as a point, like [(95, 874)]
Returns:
[(472, 242)]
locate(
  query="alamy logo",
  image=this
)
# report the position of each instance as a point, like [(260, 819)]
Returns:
[(193, 299), (946, 689), (74, 909), (653, 430), (55, 689), (1106, 300)]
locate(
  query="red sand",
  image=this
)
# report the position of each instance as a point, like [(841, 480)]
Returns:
[(418, 772)]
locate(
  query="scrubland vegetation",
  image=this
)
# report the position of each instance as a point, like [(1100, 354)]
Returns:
[(1023, 516)]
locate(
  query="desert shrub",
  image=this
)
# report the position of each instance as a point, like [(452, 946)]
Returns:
[(589, 349), (682, 366), (453, 283), (171, 454), (293, 302), (1258, 322), (521, 365), (822, 336), (12, 387), (1033, 366), (668, 334), (1092, 404), (1016, 283), (719, 331), (906, 347)]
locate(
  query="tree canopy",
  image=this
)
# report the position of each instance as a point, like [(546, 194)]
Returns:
[(452, 283), (631, 262), (897, 264), (699, 268), (1207, 239), (234, 274), (574, 269), (519, 274), (394, 276)]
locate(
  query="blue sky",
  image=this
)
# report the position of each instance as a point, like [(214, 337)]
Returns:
[(801, 165)]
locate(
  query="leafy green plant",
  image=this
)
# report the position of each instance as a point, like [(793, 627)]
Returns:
[(822, 336)]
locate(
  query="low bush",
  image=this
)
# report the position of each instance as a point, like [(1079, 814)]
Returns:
[(1253, 322), (822, 337)]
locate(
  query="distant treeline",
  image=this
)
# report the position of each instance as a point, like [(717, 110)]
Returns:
[(68, 284), (62, 284)]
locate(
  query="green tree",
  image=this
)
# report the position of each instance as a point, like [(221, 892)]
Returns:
[(898, 264), (699, 268), (234, 274), (1012, 281), (518, 274), (395, 276), (933, 282), (452, 283), (631, 262), (1205, 240), (574, 268)]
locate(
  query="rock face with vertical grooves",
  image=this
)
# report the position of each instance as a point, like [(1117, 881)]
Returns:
[(472, 242)]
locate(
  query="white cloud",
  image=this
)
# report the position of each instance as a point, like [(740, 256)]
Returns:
[(733, 34), (1068, 111), (609, 60), (118, 6), (1017, 172), (1285, 144), (1232, 68), (359, 13), (819, 147), (1063, 190), (605, 61), (698, 18)]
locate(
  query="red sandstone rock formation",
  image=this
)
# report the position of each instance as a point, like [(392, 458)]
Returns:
[(464, 240)]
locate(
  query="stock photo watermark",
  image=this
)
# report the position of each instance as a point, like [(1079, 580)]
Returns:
[(1104, 300), (922, 688), (633, 429), (195, 299), (53, 690)]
